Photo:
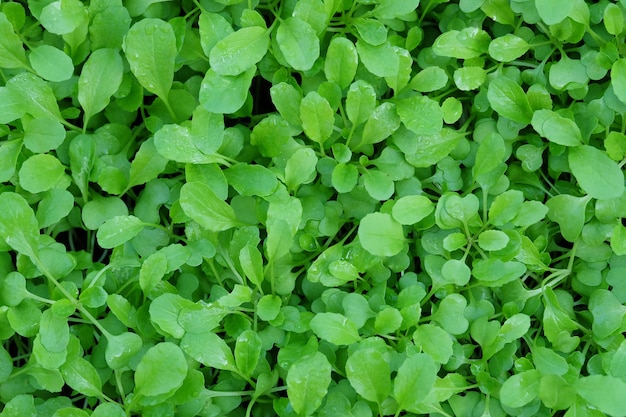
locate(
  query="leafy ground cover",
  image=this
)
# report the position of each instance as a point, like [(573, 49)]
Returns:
[(314, 207)]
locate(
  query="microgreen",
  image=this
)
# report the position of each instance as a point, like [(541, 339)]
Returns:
[(312, 208)]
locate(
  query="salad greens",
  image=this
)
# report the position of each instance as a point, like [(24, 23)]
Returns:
[(312, 208)]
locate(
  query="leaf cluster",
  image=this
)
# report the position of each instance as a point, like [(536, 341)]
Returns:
[(312, 208)]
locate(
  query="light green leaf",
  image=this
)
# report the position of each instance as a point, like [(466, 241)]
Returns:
[(596, 173), (307, 383), (146, 165), (508, 48), (40, 173), (618, 78), (37, 97), (199, 202), (118, 230), (509, 100), (381, 235), (298, 43), (63, 16), (411, 209), (239, 51), (224, 93), (43, 134), (382, 123), (248, 351), (369, 374), (81, 376), (341, 61), (420, 114), (554, 11), (251, 179), (469, 78), (556, 128), (415, 379), (99, 79), (51, 63), (520, 389), (161, 371), (209, 349), (335, 328), (603, 392), (318, 118), (434, 341), (12, 53), (150, 48), (380, 60)]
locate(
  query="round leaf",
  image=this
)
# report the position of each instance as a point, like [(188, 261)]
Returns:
[(381, 235)]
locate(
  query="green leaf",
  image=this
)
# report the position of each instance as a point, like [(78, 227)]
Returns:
[(51, 63), (40, 173), (618, 78), (429, 79), (150, 48), (335, 328), (411, 209), (118, 230), (12, 53), (420, 114), (371, 31), (307, 383), (508, 48), (381, 235), (509, 100), (11, 106), (380, 125), (63, 16), (199, 202), (81, 376), (209, 349), (37, 97), (251, 179), (469, 77), (380, 60), (298, 43), (430, 149), (239, 51), (247, 352), (341, 61), (613, 19), (345, 177), (468, 43), (549, 362), (43, 135), (99, 79), (18, 225), (495, 272), (252, 264), (318, 118), (434, 341), (596, 173), (607, 313), (390, 9), (415, 379), (54, 207), (520, 389), (161, 371), (553, 12), (556, 128), (492, 240), (121, 348), (369, 374), (602, 392), (360, 102), (300, 168), (147, 164), (224, 93)]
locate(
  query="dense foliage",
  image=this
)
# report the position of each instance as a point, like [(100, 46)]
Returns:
[(314, 207)]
